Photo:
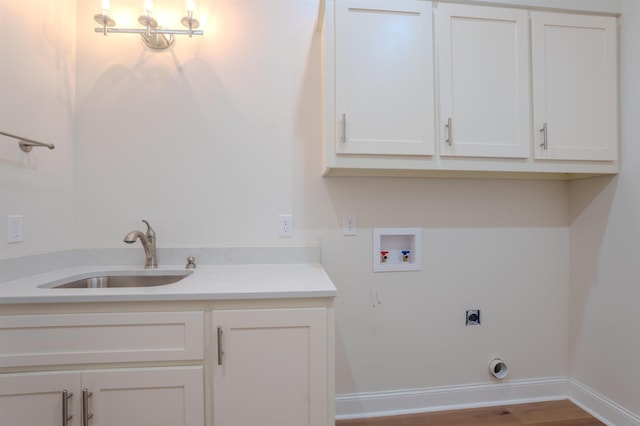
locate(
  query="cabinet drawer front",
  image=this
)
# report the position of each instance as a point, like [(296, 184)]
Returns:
[(100, 338)]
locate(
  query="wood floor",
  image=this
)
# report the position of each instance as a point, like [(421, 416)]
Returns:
[(552, 413)]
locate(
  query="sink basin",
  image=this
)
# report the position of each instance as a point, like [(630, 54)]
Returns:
[(113, 281)]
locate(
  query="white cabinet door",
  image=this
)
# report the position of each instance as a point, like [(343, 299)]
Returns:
[(575, 86), (384, 101), (271, 368), (484, 81), (171, 396), (30, 399)]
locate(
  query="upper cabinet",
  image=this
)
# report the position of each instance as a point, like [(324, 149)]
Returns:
[(483, 61), (413, 88), (575, 86), (384, 78)]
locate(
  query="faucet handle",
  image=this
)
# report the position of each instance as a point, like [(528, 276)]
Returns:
[(150, 232)]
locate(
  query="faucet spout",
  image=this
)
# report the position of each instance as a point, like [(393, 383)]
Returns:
[(132, 236), (148, 241)]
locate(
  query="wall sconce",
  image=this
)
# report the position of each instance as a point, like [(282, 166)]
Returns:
[(153, 36)]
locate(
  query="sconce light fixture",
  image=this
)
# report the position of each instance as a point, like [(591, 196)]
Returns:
[(153, 35)]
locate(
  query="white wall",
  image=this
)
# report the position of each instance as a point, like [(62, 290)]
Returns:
[(37, 77), (211, 140), (605, 251)]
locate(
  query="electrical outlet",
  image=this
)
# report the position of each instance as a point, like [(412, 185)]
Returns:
[(349, 226), (473, 317), (14, 229), (286, 225)]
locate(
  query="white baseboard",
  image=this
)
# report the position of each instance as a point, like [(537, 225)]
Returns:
[(374, 404), (599, 406), (410, 401)]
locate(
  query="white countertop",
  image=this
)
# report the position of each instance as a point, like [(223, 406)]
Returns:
[(207, 282)]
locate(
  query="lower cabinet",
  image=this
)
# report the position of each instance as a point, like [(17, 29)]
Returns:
[(162, 396), (246, 363), (94, 389), (271, 368)]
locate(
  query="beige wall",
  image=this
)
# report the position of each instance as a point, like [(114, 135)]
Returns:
[(212, 140), (37, 78), (605, 251)]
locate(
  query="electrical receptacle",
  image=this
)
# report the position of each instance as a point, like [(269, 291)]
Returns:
[(14, 229), (472, 317), (286, 225), (349, 226)]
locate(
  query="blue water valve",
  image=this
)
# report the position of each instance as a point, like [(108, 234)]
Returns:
[(405, 255)]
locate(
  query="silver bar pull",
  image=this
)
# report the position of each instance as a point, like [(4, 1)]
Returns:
[(66, 395), (543, 144), (85, 406), (449, 139), (220, 351), (343, 136)]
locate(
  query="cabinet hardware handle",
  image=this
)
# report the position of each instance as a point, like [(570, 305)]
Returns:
[(66, 395), (85, 406), (343, 136), (220, 352), (543, 144), (449, 132)]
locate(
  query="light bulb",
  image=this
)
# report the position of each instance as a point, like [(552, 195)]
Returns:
[(103, 17)]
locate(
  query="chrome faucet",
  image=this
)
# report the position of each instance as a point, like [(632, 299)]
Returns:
[(148, 241)]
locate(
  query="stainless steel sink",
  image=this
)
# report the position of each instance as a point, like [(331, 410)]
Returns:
[(112, 281)]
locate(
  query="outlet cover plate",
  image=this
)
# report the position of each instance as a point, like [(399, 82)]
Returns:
[(285, 225), (472, 317), (14, 228), (349, 225)]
